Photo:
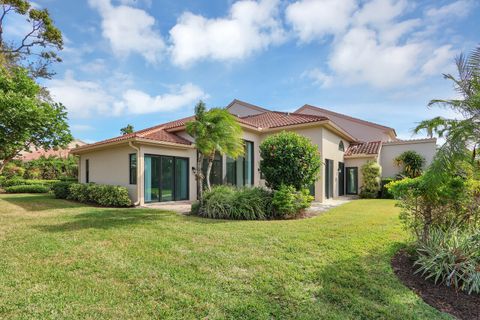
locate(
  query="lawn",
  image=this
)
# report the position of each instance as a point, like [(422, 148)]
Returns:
[(60, 259)]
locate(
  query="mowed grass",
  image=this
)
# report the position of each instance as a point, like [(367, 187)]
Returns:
[(60, 259)]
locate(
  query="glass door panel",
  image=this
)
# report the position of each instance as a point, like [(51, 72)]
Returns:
[(352, 180), (341, 179), (328, 178), (248, 163), (181, 179), (167, 179)]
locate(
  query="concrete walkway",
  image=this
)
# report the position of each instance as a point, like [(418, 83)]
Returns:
[(318, 207)]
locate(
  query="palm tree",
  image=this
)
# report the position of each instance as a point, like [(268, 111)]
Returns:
[(463, 134), (215, 130)]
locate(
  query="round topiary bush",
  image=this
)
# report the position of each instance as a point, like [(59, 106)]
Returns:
[(289, 159)]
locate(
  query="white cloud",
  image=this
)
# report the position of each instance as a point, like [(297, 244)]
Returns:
[(95, 66), (250, 26), (441, 60), (84, 99), (129, 30), (374, 42), (359, 57), (139, 102), (459, 8), (81, 98), (316, 18), (319, 77)]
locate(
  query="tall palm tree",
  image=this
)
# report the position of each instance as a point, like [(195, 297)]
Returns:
[(215, 130), (463, 134)]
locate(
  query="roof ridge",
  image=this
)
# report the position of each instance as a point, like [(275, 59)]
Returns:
[(344, 116), (245, 104)]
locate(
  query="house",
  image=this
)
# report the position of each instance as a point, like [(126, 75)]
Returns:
[(34, 154), (157, 164)]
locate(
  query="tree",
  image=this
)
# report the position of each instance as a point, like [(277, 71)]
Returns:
[(126, 130), (215, 130), (411, 162), (289, 159), (26, 120), (37, 49), (460, 135), (371, 180)]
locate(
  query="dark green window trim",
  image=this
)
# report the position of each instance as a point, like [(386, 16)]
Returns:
[(132, 164)]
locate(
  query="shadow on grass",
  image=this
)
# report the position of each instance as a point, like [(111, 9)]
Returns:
[(365, 287), (39, 202), (107, 219)]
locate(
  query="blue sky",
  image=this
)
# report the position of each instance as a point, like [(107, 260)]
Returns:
[(145, 62)]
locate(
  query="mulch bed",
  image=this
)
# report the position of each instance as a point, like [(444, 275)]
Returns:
[(443, 298)]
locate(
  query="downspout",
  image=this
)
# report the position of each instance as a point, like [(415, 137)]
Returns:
[(138, 173)]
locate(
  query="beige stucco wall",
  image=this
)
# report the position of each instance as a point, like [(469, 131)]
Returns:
[(330, 151), (109, 166), (360, 131), (390, 151)]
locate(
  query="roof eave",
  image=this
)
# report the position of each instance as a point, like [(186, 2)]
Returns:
[(88, 148)]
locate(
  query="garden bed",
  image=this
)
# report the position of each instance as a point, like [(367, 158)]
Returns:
[(443, 298)]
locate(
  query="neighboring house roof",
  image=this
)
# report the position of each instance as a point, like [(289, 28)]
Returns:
[(364, 149), (34, 154), (275, 119), (341, 115), (246, 104), (410, 141)]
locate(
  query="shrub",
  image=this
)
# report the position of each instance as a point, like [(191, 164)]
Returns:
[(384, 192), (371, 180), (451, 257), (101, 194), (226, 202), (289, 159), (411, 163), (35, 188), (2, 180), (288, 202), (13, 169), (437, 200), (61, 189)]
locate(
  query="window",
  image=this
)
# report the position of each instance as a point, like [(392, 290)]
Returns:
[(87, 171), (216, 172), (133, 168), (240, 171), (352, 180), (341, 147)]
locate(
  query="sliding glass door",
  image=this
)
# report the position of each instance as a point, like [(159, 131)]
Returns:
[(328, 178), (166, 178)]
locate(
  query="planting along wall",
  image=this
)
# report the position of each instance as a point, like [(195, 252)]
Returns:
[(391, 150), (109, 166)]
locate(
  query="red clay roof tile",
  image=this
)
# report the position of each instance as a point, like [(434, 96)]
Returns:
[(364, 148)]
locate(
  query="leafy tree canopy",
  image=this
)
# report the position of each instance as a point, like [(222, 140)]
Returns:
[(38, 48), (289, 159), (26, 120), (126, 130)]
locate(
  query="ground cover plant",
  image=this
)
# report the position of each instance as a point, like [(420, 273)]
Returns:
[(62, 259)]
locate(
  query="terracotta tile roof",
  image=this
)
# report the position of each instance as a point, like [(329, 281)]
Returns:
[(163, 132), (156, 133), (275, 119), (364, 148)]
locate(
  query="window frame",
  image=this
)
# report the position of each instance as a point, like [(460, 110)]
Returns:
[(132, 176), (341, 146)]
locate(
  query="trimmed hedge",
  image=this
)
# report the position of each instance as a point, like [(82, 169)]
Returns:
[(28, 188), (101, 194), (20, 182), (61, 189)]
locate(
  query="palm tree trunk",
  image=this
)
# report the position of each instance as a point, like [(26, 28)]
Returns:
[(199, 176), (209, 170)]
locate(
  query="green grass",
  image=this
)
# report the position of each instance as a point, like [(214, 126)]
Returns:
[(60, 259)]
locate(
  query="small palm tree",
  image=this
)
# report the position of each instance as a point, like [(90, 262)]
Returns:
[(215, 130), (460, 134)]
